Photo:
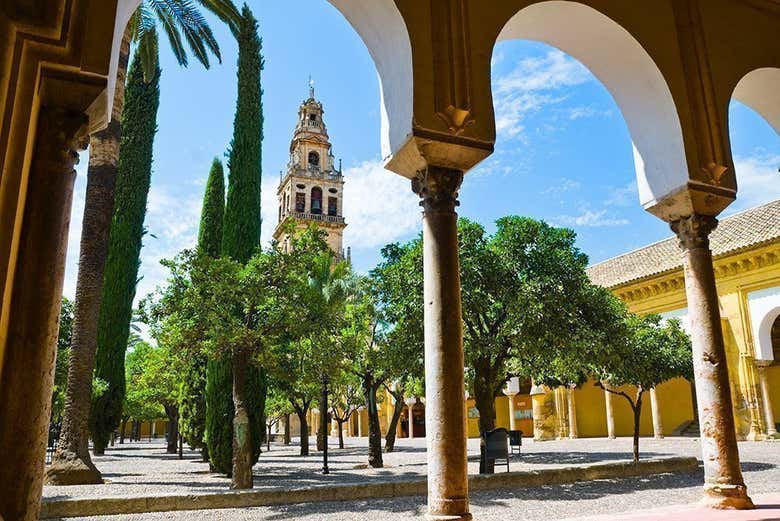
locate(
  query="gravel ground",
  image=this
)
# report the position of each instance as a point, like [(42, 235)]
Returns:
[(144, 469)]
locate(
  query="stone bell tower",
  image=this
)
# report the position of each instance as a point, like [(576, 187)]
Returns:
[(311, 190)]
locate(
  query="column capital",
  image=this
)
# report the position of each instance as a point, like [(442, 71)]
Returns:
[(438, 187), (694, 231)]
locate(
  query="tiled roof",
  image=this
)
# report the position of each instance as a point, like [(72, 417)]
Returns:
[(750, 228)]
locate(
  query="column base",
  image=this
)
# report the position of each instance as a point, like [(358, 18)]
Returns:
[(727, 497)]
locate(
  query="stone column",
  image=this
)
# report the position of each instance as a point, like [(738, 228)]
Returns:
[(360, 421), (34, 307), (658, 429), (610, 413), (573, 433), (444, 381), (512, 410), (410, 414), (723, 483), (769, 416)]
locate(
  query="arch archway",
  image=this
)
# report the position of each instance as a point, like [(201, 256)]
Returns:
[(759, 89), (632, 78)]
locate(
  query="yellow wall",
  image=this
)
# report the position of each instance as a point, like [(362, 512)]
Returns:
[(591, 410)]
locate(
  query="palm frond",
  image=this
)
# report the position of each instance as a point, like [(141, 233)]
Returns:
[(225, 10), (169, 17)]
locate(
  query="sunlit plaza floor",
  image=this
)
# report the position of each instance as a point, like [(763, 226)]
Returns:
[(143, 469)]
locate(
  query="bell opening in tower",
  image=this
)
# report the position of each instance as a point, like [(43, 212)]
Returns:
[(316, 200)]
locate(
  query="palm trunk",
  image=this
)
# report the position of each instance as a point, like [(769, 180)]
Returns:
[(397, 410), (71, 464), (242, 435), (172, 412), (374, 432)]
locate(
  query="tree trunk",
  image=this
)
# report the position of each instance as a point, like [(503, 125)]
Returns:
[(172, 411), (340, 423), (242, 436), (485, 401), (304, 432), (181, 446), (122, 432), (324, 423), (374, 432), (71, 463), (637, 415), (397, 410), (287, 429)]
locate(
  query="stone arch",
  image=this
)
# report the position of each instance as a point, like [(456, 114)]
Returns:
[(765, 346), (631, 76), (759, 90), (383, 30)]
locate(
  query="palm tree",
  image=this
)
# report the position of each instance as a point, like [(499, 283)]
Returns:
[(72, 463), (330, 285)]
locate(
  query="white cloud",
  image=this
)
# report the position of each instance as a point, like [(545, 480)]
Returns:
[(590, 218), (758, 180), (531, 86), (564, 185), (379, 206), (622, 195)]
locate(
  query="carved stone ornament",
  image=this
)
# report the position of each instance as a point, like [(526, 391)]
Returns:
[(438, 187), (713, 173), (694, 231)]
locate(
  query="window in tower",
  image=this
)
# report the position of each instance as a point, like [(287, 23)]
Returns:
[(313, 118), (316, 200), (300, 202), (333, 206), (314, 159)]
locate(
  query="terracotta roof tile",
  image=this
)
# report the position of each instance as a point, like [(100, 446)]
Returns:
[(753, 227)]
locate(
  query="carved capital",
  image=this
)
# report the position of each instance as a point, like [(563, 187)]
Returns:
[(61, 134), (694, 231), (438, 187)]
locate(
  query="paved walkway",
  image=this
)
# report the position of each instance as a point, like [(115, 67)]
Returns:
[(144, 469)]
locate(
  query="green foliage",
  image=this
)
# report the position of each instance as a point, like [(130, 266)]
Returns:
[(241, 234), (240, 240), (61, 364), (193, 406), (141, 403), (526, 298), (121, 272), (652, 352), (177, 17), (212, 214)]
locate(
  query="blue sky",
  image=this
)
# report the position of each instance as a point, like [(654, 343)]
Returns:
[(563, 152)]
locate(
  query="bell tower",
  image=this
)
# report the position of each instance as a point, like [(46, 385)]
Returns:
[(311, 190)]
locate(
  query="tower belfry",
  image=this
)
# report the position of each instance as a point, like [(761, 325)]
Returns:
[(311, 188)]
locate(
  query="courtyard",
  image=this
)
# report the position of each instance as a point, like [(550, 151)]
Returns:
[(144, 469)]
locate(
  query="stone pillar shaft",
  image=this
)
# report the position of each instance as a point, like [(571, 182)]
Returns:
[(724, 486), (573, 432), (610, 413), (769, 416), (655, 409), (512, 409), (34, 307), (444, 380)]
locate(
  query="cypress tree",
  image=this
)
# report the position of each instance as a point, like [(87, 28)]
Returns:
[(139, 125), (192, 409), (240, 239)]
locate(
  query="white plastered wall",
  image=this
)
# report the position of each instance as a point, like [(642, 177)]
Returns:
[(764, 308)]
